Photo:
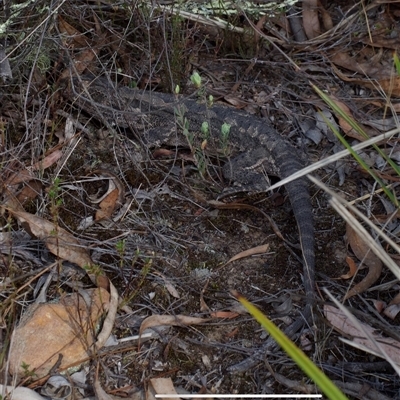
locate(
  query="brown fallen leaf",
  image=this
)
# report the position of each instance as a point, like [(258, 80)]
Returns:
[(203, 305), (30, 191), (107, 206), (59, 242), (27, 174), (232, 333), (392, 311), (344, 325), (224, 314), (362, 251), (352, 269), (24, 175), (168, 285), (99, 391), (346, 127), (81, 61), (161, 386), (159, 153), (376, 75), (327, 22), (395, 300), (111, 307), (50, 159), (379, 305), (247, 253), (171, 320), (73, 35), (310, 18), (114, 182)]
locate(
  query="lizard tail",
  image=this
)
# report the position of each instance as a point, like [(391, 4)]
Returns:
[(301, 205), (299, 197)]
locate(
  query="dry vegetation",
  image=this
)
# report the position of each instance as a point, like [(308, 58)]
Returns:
[(79, 194)]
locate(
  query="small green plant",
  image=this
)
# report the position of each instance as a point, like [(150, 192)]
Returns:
[(198, 147), (55, 204), (201, 161), (196, 80), (55, 199), (396, 63), (225, 130), (183, 124), (28, 373), (93, 269), (54, 191), (142, 276), (121, 248), (205, 130)]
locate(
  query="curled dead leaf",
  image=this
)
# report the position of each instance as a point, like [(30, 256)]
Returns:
[(171, 320), (310, 18), (107, 205), (362, 251), (59, 242), (352, 269), (363, 334), (247, 253)]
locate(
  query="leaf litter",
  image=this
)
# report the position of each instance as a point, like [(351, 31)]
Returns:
[(316, 24)]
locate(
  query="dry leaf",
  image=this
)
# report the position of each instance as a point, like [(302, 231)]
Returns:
[(107, 206), (59, 242), (163, 153), (172, 320), (99, 391), (352, 268), (310, 18), (47, 161), (247, 253), (232, 333), (379, 305), (203, 305), (344, 325), (346, 127), (109, 321), (160, 386), (224, 314), (71, 33), (362, 252), (376, 75), (168, 285), (395, 300), (113, 182), (325, 16), (26, 175), (81, 61), (30, 191), (392, 311)]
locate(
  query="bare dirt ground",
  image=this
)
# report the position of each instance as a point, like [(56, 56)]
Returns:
[(163, 246)]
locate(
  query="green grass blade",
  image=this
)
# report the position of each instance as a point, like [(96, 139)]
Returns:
[(396, 63), (297, 355), (360, 131)]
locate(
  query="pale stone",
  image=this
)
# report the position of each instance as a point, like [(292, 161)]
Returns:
[(47, 330)]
